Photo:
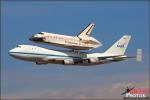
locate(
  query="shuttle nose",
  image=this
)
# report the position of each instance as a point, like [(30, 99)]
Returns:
[(32, 38), (36, 39)]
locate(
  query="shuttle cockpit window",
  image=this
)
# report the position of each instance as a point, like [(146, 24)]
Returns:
[(41, 33)]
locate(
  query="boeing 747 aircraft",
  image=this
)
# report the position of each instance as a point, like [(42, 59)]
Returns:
[(80, 42), (41, 55)]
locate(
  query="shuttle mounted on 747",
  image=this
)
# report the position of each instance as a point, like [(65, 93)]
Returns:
[(41, 55), (83, 41)]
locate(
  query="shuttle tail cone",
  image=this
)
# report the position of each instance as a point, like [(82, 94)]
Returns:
[(139, 55)]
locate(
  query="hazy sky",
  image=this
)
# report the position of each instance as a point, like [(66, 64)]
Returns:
[(113, 19)]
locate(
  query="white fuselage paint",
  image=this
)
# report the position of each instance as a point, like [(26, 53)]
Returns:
[(44, 56), (72, 42)]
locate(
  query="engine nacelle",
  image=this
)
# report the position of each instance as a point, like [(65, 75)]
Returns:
[(68, 62), (93, 60), (40, 63)]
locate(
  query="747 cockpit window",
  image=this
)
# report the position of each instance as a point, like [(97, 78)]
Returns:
[(18, 46)]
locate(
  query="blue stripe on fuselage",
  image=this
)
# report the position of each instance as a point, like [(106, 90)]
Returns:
[(45, 54)]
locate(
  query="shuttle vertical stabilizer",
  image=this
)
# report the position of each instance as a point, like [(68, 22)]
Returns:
[(86, 31)]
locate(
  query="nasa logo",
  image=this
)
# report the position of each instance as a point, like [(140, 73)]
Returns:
[(121, 46)]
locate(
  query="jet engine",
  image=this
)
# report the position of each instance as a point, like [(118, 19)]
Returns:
[(40, 63), (93, 60), (68, 62)]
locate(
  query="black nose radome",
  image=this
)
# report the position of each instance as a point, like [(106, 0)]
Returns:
[(36, 39), (31, 38)]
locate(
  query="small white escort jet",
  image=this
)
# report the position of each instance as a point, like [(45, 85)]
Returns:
[(44, 56), (80, 42)]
